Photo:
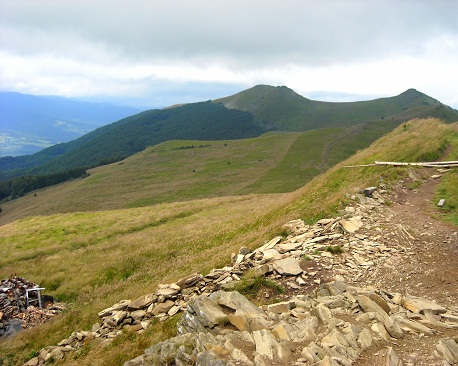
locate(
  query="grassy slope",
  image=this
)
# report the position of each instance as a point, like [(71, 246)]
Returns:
[(448, 187), (96, 259), (283, 109), (205, 120), (272, 163)]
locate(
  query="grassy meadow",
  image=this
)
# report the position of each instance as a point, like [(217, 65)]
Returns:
[(91, 259), (186, 170)]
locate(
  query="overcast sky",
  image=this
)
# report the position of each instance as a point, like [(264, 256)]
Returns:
[(157, 53)]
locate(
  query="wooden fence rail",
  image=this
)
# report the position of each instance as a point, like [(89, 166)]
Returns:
[(430, 164)]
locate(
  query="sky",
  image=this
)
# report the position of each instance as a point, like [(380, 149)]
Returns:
[(158, 53)]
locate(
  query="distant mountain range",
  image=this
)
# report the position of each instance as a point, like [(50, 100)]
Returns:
[(30, 123), (249, 113)]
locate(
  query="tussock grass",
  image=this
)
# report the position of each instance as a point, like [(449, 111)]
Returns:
[(94, 259), (251, 287), (334, 249)]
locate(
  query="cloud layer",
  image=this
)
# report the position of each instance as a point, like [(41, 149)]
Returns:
[(160, 51)]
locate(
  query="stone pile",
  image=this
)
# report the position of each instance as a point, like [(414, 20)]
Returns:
[(13, 305), (331, 325)]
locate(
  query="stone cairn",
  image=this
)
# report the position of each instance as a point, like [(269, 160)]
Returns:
[(13, 305), (330, 326)]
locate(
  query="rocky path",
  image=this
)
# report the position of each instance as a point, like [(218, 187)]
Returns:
[(428, 267), (376, 286)]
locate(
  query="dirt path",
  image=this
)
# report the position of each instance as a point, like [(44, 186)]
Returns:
[(430, 265), (325, 161), (427, 267)]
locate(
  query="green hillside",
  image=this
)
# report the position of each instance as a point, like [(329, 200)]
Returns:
[(204, 121), (244, 115), (94, 259), (276, 162), (280, 108)]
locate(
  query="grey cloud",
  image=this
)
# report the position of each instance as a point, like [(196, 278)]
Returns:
[(239, 33), (152, 49)]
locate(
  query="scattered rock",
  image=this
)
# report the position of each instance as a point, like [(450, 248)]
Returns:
[(368, 191)]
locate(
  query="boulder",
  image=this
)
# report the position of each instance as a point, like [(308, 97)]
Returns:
[(387, 357), (236, 301), (370, 306), (163, 307), (368, 191), (269, 254), (208, 312), (267, 346), (138, 314), (447, 349), (380, 302), (323, 313), (240, 321)]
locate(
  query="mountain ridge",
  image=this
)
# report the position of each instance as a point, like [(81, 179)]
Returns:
[(251, 112), (299, 113)]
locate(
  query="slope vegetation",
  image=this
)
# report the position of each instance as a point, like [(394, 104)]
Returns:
[(128, 136), (186, 170), (244, 115), (282, 109), (92, 260)]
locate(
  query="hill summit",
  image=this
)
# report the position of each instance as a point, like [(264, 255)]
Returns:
[(282, 109)]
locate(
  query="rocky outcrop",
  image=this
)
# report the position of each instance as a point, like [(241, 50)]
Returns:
[(315, 329)]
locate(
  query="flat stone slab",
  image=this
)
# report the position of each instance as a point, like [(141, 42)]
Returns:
[(288, 247), (189, 281), (421, 306), (271, 254), (167, 292), (352, 225), (288, 267), (142, 302), (122, 305)]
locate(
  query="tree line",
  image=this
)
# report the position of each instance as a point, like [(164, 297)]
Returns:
[(17, 187)]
